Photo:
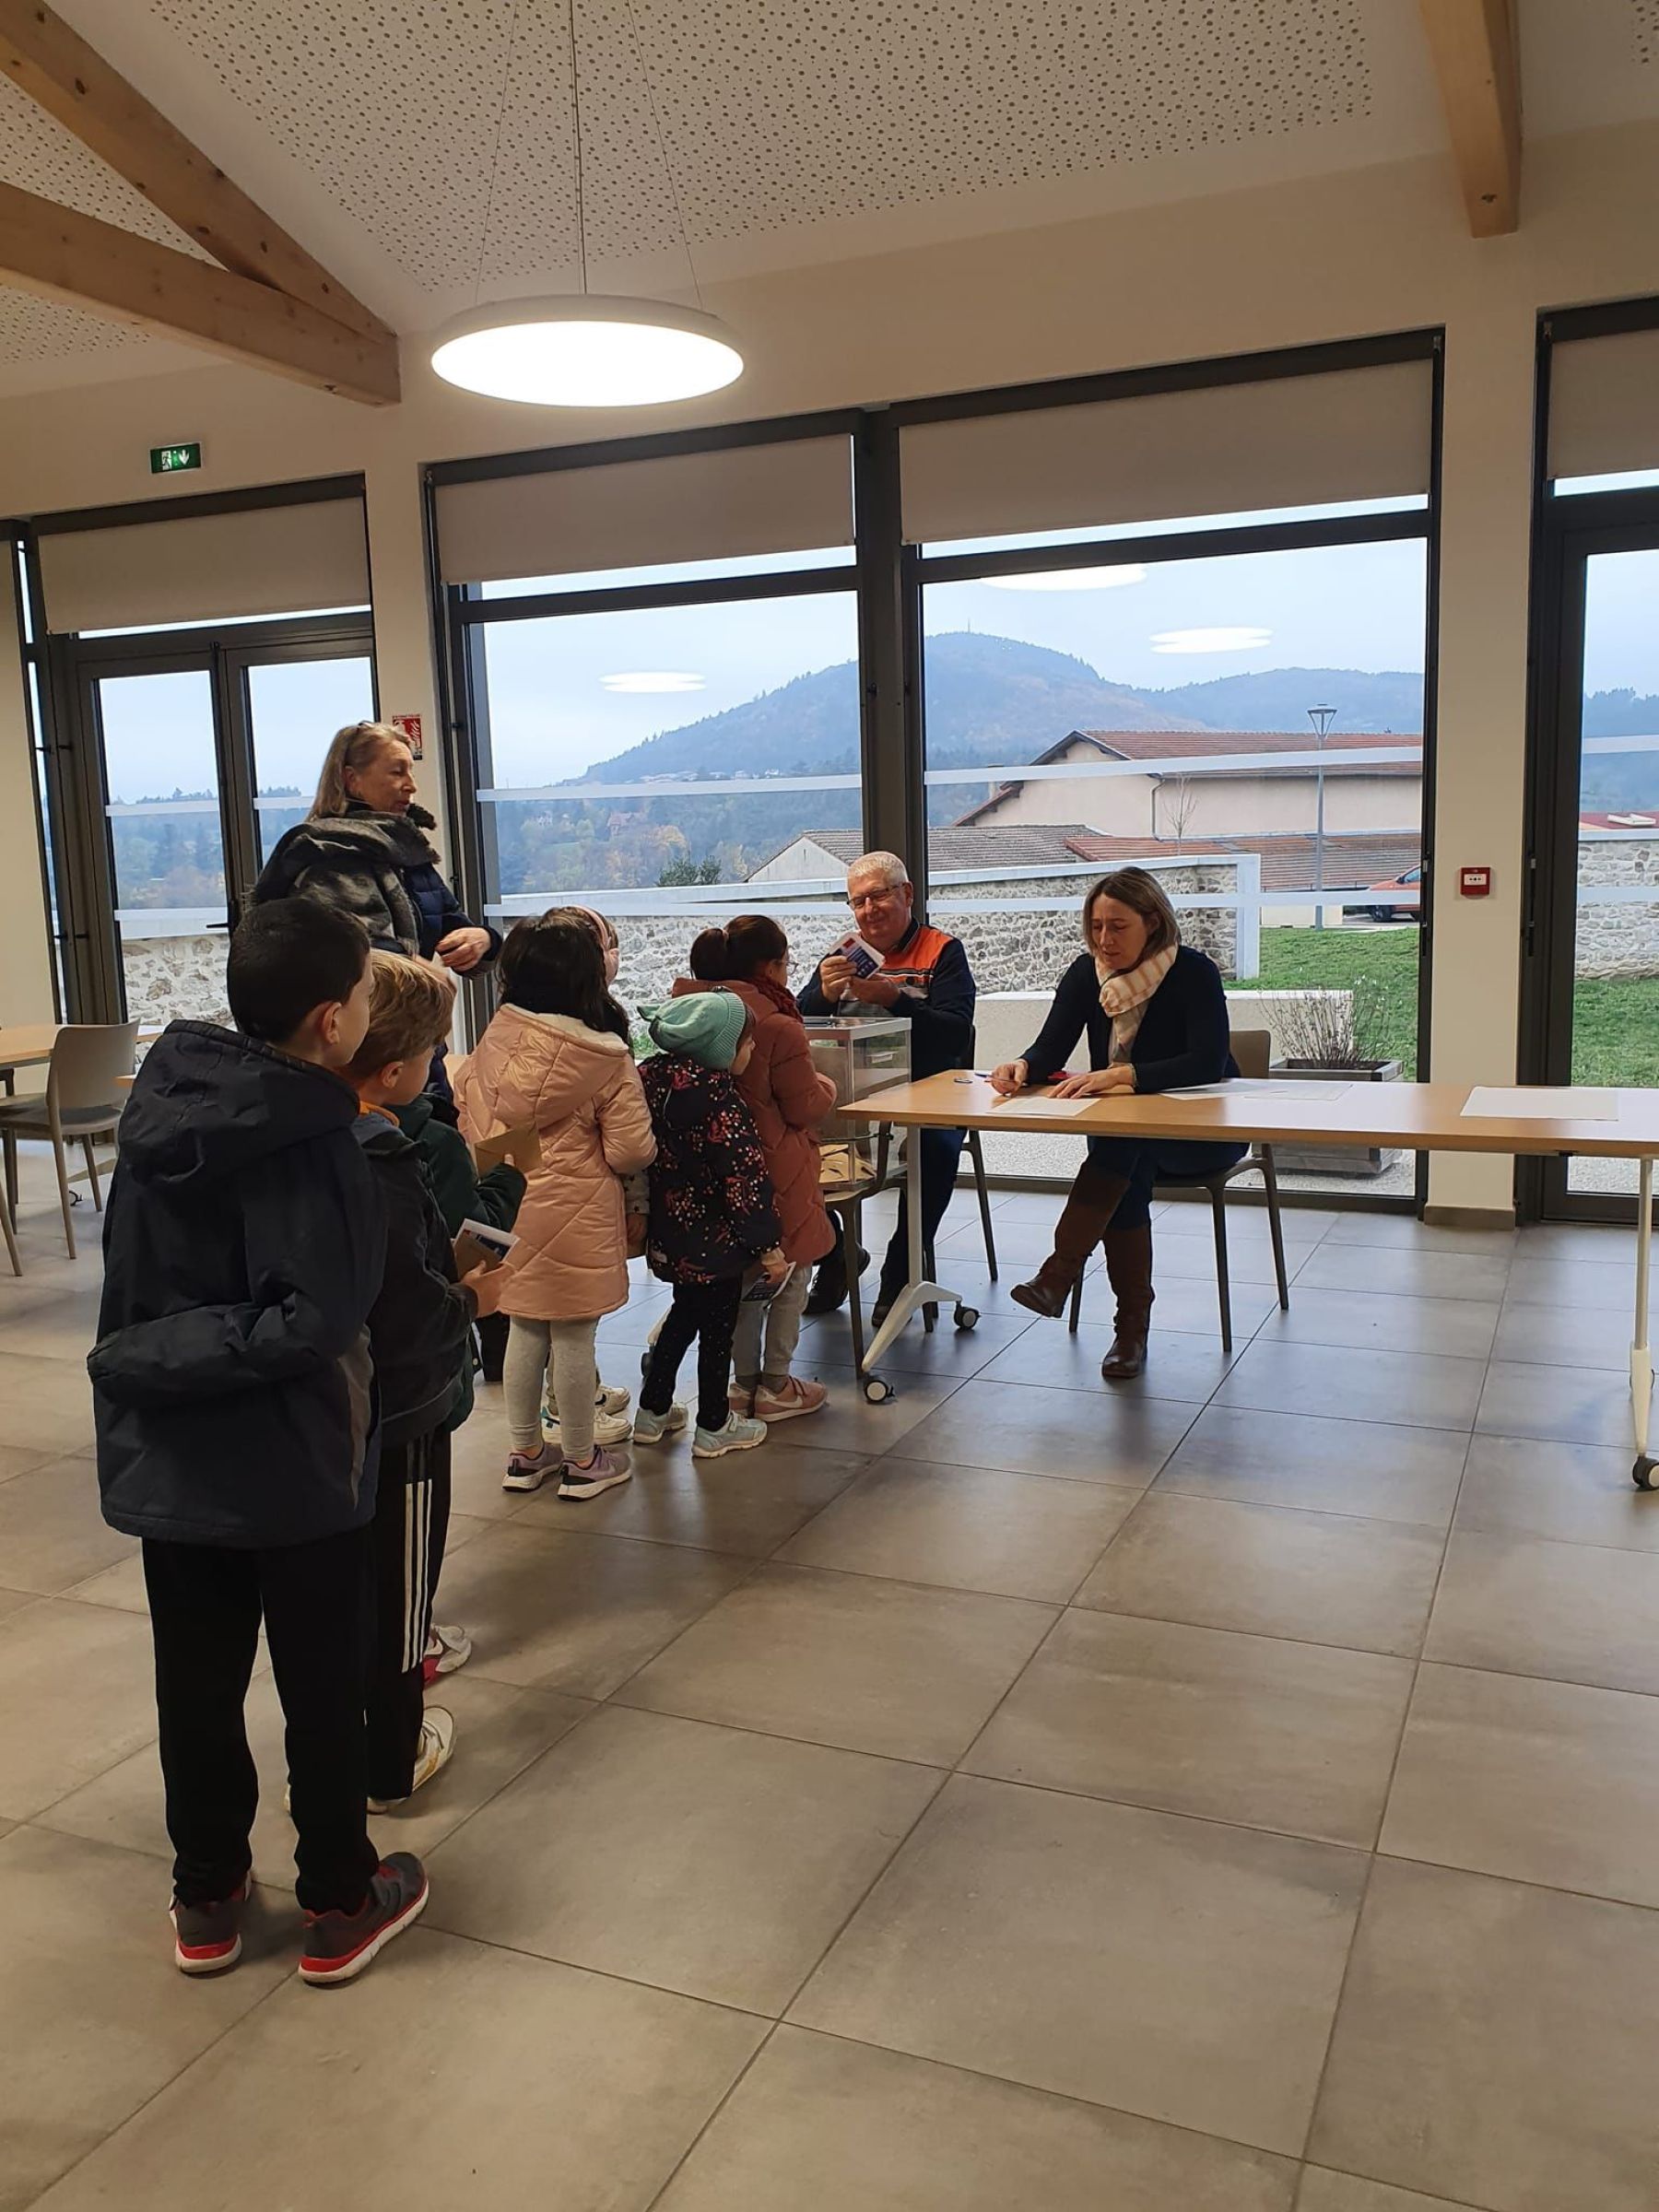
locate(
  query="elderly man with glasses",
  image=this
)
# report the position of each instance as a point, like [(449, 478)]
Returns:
[(926, 980)]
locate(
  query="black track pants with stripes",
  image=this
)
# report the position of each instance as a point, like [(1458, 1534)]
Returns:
[(410, 1517)]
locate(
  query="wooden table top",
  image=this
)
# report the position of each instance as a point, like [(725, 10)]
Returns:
[(1424, 1117), (27, 1043)]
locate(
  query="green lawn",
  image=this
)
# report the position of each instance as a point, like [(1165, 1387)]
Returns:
[(1615, 1019)]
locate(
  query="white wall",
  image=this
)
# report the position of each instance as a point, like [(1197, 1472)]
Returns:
[(1367, 251), (26, 968)]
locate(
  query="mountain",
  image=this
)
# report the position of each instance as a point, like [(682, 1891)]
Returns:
[(1619, 782), (1384, 702)]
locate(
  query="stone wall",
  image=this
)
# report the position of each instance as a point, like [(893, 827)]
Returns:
[(175, 979), (1619, 940)]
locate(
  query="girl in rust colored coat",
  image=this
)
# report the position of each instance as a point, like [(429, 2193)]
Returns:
[(789, 1098)]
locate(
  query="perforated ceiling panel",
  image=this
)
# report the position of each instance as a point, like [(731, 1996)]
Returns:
[(48, 330), (772, 116), (1646, 28), (39, 154)]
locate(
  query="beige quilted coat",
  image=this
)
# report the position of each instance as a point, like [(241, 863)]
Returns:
[(577, 1089)]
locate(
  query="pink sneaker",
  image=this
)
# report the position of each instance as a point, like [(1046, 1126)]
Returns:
[(588, 1479), (741, 1401), (789, 1401)]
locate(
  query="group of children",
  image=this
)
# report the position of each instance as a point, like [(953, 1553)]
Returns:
[(287, 1335)]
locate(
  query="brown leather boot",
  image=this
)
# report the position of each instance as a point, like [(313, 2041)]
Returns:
[(1129, 1271), (1082, 1224)]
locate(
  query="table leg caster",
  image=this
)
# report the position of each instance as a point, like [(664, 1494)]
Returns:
[(967, 1317), (1641, 1474), (877, 1391)]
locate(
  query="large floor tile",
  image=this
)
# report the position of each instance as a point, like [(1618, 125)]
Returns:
[(950, 1354), (744, 1505), (1272, 1570), (76, 1695), (94, 2016), (1416, 1389), (1404, 1233), (1323, 2191), (847, 1659), (849, 1423), (1545, 1781), (1180, 1366), (1370, 1321), (413, 2093), (965, 1529), (13, 1601), (1411, 1273), (1608, 1284), (1288, 1736), (706, 1860), (1558, 1336), (1576, 1493), (122, 1586), (820, 2126), (1370, 1468), (1190, 1256), (1105, 1439), (498, 1731), (577, 1613), (1188, 1304), (1176, 1968), (16, 1460), (1574, 1405), (1494, 2046), (1021, 1246), (478, 1459), (39, 1422), (1571, 1612), (51, 1532)]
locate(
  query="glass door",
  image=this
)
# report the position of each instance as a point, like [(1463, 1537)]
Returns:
[(207, 746), (1602, 941)]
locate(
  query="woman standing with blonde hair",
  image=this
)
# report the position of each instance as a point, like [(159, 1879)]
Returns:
[(1155, 1018), (365, 848)]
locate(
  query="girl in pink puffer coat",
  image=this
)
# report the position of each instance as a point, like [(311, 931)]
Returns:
[(557, 1058)]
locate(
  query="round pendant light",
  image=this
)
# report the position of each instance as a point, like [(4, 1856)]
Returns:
[(585, 351)]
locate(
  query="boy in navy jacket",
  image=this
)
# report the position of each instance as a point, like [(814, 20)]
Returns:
[(420, 1331), (235, 1403)]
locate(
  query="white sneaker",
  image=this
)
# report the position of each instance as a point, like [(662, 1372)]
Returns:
[(736, 1435), (608, 1428), (436, 1749), (789, 1401), (613, 1398), (446, 1649), (652, 1427)]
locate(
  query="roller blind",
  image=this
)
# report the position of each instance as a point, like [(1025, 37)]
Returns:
[(1604, 404), (630, 514), (264, 561), (1233, 449)]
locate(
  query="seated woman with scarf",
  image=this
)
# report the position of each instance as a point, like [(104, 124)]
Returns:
[(1155, 1018)]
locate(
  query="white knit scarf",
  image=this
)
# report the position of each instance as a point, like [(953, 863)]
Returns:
[(1124, 996)]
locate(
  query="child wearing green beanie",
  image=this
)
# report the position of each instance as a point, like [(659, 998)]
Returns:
[(711, 1213)]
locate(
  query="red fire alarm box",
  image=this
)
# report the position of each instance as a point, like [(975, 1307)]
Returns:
[(1475, 883), (410, 727)]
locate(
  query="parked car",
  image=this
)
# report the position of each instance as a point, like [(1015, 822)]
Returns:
[(1390, 906)]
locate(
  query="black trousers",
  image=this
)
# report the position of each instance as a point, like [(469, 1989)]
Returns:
[(205, 1606), (411, 1521), (706, 1313)]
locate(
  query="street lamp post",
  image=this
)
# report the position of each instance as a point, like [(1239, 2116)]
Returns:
[(1322, 718)]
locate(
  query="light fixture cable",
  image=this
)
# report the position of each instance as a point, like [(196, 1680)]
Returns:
[(581, 186), (656, 120), (495, 161)]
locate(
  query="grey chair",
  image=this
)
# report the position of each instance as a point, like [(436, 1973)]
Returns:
[(1253, 1050), (84, 1101)]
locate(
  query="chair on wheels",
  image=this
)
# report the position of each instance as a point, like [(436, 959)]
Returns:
[(1253, 1050), (83, 1101)]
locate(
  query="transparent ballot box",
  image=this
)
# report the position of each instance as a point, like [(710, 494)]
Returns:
[(859, 1055)]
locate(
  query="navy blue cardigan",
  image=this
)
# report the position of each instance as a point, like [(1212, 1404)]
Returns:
[(1184, 1035)]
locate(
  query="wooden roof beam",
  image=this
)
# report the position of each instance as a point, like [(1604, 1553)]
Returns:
[(64, 255), (1476, 58), (56, 67)]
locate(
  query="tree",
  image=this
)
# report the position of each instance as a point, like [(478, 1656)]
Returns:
[(677, 873), (1179, 798)]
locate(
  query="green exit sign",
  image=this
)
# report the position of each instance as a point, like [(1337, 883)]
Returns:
[(166, 460)]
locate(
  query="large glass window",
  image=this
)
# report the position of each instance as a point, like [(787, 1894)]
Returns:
[(1250, 726), (670, 764)]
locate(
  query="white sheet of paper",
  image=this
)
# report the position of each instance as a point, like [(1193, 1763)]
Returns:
[(1242, 1087), (1534, 1104), (1059, 1108)]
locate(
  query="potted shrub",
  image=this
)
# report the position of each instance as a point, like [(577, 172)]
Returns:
[(1335, 1037)]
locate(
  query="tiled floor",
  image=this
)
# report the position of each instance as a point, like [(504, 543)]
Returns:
[(1231, 1794)]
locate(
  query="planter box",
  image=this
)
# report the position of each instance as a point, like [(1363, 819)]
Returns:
[(1333, 1160)]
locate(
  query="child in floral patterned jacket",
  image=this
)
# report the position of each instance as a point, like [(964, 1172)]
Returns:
[(712, 1216)]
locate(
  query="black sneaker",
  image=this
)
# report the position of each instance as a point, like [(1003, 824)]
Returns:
[(829, 1285), (338, 1945), (208, 1938)]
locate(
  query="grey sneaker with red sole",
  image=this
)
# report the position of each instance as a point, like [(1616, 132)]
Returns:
[(208, 1938), (338, 1945)]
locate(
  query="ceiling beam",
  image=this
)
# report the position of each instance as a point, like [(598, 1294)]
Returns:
[(1478, 61), (56, 67), (64, 255)]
